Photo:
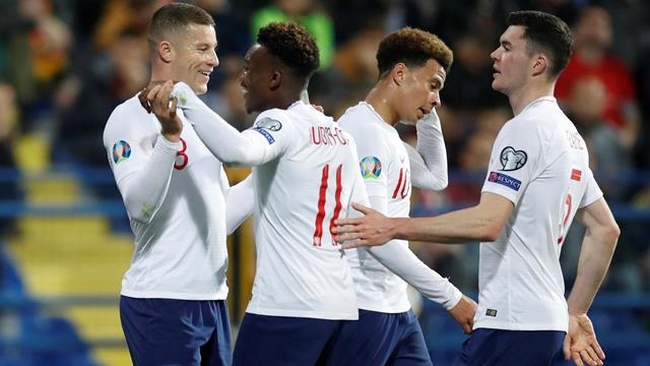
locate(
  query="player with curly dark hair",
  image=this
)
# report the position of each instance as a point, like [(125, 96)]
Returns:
[(413, 66)]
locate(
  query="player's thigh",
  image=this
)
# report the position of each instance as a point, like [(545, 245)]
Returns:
[(411, 349), (279, 340), (487, 347), (218, 350), (165, 331)]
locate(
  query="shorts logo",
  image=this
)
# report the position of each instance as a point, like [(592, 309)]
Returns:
[(504, 180), (512, 159), (370, 167), (121, 151)]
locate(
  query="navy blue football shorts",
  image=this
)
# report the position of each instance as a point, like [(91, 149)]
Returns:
[(487, 347), (176, 332), (379, 339), (286, 341)]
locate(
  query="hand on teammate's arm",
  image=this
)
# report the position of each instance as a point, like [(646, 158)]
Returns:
[(371, 229), (159, 101)]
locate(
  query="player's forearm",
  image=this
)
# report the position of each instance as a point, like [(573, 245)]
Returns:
[(223, 140), (239, 203), (458, 227), (431, 148), (400, 260), (595, 257), (145, 190)]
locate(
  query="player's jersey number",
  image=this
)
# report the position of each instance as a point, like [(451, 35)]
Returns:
[(322, 199)]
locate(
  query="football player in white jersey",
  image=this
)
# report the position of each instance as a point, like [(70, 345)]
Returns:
[(413, 66), (173, 299), (306, 176), (538, 181)]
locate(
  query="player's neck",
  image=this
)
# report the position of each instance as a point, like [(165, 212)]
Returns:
[(381, 102), (520, 99)]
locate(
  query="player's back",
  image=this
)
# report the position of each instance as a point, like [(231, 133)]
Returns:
[(301, 271)]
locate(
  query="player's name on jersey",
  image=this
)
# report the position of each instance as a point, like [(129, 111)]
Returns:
[(323, 135)]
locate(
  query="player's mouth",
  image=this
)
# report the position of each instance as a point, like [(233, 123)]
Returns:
[(205, 73)]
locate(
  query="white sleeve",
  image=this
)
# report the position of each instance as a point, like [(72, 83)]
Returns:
[(240, 200), (251, 147), (400, 260), (143, 176), (429, 162)]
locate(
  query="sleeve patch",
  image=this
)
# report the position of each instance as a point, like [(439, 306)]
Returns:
[(268, 124), (504, 180), (121, 151), (512, 159), (266, 134), (370, 167)]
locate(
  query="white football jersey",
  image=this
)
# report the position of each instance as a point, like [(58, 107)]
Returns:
[(180, 240), (385, 169), (308, 179), (539, 162)]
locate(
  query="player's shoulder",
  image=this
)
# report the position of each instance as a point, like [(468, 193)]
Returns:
[(127, 110)]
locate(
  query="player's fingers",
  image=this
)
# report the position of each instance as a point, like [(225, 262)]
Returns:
[(352, 244), (577, 359), (567, 347), (361, 208)]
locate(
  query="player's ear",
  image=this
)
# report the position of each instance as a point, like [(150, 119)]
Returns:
[(165, 51), (275, 80), (540, 64), (398, 73)]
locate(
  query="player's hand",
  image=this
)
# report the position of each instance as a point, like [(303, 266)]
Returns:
[(142, 95), (163, 105), (464, 313), (369, 230), (580, 343)]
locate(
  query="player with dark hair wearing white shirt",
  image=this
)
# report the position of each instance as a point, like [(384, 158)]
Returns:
[(413, 66), (181, 207), (306, 175), (538, 181)]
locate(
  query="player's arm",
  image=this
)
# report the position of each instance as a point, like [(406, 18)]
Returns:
[(483, 222), (598, 245), (223, 140), (429, 162), (144, 175), (240, 200)]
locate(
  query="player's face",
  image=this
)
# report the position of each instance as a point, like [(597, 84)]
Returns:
[(511, 61), (195, 57), (256, 77), (421, 88)]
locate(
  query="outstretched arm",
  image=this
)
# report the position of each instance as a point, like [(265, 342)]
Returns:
[(429, 161), (596, 254), (483, 222), (223, 140)]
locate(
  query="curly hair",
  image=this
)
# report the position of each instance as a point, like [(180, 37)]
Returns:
[(547, 34), (292, 44), (413, 47)]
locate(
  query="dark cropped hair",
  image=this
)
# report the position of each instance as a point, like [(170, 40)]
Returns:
[(545, 33), (413, 47), (174, 18), (292, 44)]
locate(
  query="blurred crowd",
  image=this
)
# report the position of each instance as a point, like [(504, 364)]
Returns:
[(65, 64)]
